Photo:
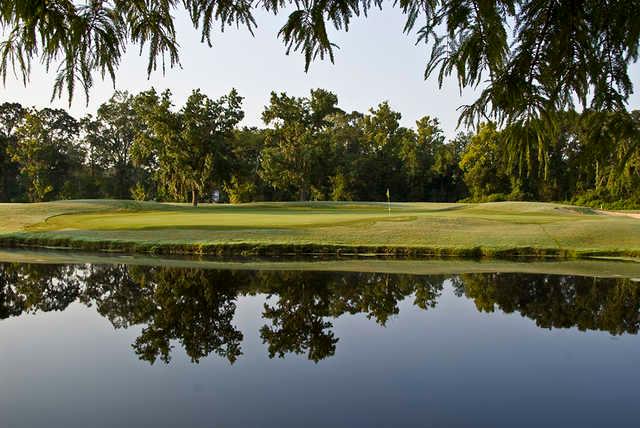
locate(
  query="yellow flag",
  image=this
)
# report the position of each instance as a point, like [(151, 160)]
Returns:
[(388, 194)]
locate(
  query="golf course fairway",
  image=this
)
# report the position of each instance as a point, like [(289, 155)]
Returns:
[(409, 229)]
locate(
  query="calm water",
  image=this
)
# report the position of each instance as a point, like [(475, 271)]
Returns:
[(117, 345)]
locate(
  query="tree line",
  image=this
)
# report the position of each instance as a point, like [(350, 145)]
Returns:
[(144, 147)]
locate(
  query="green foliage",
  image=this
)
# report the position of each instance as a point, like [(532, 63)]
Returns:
[(345, 138), (189, 150), (482, 163), (593, 159), (382, 138), (11, 115), (341, 188), (611, 143), (294, 150), (139, 193), (418, 156), (240, 192), (47, 152), (108, 139), (140, 146)]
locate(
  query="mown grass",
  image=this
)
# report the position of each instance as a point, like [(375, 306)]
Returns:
[(420, 229)]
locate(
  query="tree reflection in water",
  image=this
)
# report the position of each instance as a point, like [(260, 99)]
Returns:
[(196, 307), (587, 303)]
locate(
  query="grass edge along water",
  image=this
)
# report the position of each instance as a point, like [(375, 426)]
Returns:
[(502, 229)]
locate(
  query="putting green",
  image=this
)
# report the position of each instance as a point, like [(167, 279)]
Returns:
[(539, 228)]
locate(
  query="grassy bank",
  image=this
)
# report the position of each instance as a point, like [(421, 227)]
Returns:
[(416, 229), (588, 267)]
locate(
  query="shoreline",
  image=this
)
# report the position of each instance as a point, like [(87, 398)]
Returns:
[(275, 249), (592, 267)]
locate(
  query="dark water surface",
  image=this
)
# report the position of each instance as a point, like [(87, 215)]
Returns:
[(116, 346)]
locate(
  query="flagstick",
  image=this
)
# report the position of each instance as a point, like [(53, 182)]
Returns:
[(389, 202)]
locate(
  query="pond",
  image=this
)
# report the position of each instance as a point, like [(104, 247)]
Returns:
[(131, 344)]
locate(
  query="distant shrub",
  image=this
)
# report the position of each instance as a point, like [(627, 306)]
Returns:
[(518, 195), (340, 185), (240, 192), (602, 199), (139, 193), (316, 194), (496, 197)]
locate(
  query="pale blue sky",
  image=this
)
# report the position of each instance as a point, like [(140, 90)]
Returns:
[(375, 62)]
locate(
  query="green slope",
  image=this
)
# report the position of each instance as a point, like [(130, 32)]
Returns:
[(412, 228)]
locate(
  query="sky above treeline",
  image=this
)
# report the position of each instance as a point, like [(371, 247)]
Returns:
[(375, 62)]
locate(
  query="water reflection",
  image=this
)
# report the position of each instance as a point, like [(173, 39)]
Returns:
[(611, 305), (195, 307)]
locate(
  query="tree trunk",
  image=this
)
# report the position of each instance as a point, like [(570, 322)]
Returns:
[(194, 197)]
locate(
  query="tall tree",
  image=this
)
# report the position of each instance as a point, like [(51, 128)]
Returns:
[(346, 139), (192, 147), (11, 115), (47, 153), (108, 139), (483, 164), (447, 178), (380, 167), (418, 155), (246, 185), (295, 150), (602, 151)]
